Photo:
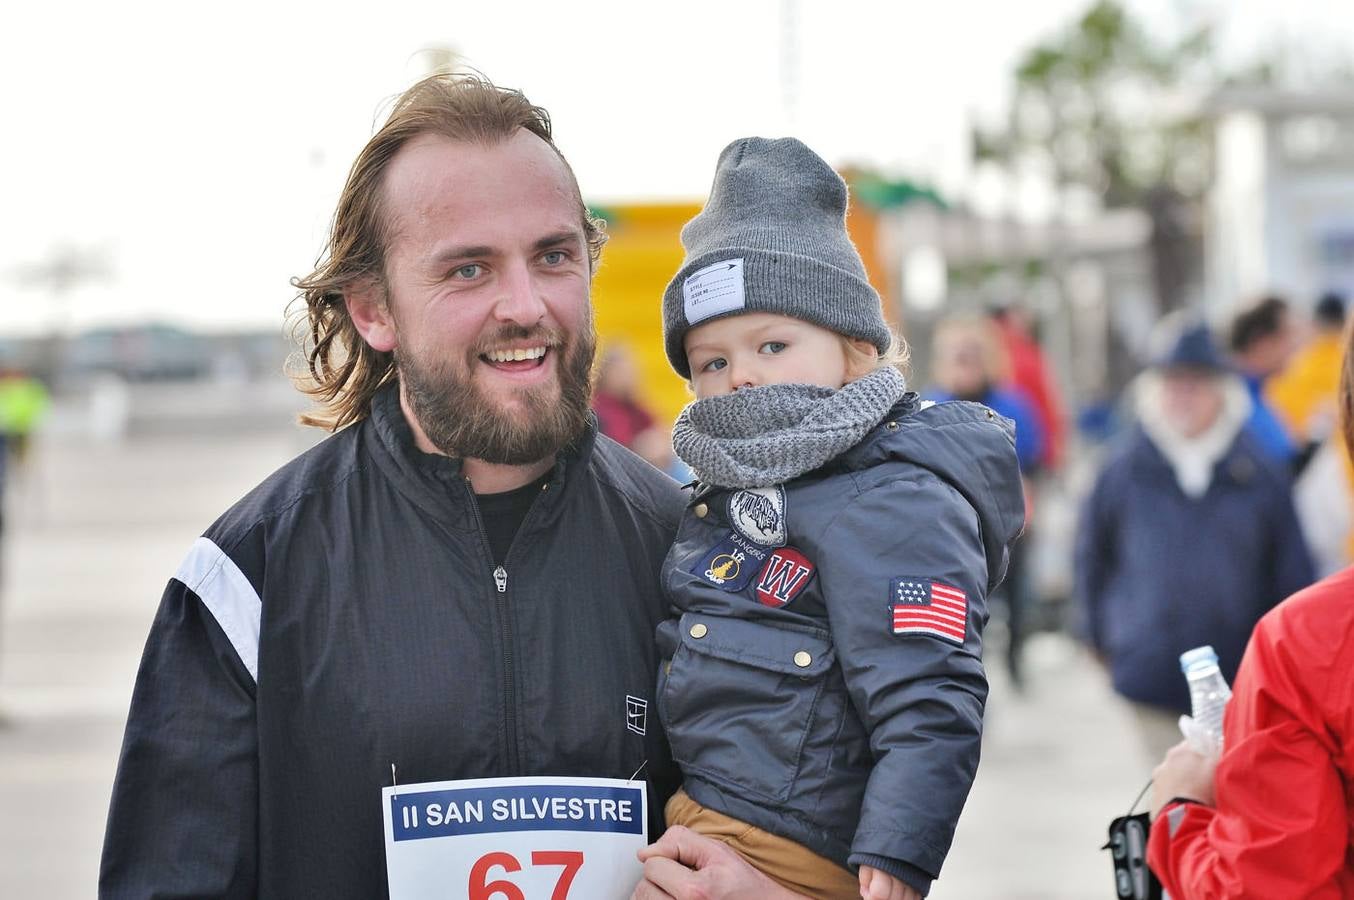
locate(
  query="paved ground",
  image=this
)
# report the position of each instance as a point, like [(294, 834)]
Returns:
[(96, 530)]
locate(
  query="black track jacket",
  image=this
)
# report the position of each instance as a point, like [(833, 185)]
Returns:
[(346, 616)]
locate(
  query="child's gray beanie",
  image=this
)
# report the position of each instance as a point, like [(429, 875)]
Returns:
[(772, 238)]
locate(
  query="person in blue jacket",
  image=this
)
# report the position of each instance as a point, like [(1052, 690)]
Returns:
[(969, 362), (823, 684), (1263, 338), (1188, 537)]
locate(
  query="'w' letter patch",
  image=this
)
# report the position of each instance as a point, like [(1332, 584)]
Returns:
[(786, 573), (923, 606)]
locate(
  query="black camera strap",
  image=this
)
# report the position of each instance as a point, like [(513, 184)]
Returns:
[(1128, 849)]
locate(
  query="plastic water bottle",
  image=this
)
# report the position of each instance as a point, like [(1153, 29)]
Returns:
[(1208, 696)]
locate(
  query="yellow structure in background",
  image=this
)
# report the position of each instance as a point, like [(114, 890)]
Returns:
[(643, 253)]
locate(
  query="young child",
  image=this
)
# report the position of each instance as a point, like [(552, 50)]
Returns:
[(823, 685)]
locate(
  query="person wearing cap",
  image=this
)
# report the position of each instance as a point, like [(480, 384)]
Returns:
[(822, 685), (1271, 817), (1188, 537)]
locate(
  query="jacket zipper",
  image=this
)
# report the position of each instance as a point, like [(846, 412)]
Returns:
[(500, 576)]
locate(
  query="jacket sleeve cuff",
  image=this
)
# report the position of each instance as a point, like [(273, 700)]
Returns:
[(907, 873), (1177, 801)]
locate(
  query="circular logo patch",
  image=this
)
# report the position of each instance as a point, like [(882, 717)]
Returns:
[(758, 514)]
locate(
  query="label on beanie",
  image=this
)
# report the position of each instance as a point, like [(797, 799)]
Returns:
[(714, 290)]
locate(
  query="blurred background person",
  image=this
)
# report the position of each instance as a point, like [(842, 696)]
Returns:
[(1187, 537), (1030, 373), (1263, 339), (1304, 397), (23, 406), (4, 466), (969, 362), (1271, 817), (23, 403), (1303, 393), (620, 414), (1324, 497)]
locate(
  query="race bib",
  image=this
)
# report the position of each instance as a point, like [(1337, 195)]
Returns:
[(515, 838)]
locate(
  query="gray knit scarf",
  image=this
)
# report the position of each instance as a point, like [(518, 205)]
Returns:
[(764, 435)]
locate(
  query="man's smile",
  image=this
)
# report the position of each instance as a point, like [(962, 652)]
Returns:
[(517, 360)]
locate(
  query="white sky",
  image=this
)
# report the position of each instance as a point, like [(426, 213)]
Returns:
[(203, 153)]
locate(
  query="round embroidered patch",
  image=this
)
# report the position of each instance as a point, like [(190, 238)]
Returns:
[(758, 514)]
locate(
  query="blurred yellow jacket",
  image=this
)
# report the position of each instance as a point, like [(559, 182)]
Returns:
[(1303, 394), (22, 403)]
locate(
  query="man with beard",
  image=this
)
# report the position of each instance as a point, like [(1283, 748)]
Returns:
[(460, 583)]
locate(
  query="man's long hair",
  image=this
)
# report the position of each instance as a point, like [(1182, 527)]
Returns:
[(342, 372)]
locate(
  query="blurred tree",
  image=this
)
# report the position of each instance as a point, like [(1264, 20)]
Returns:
[(1105, 108), (881, 192), (441, 59), (65, 269)]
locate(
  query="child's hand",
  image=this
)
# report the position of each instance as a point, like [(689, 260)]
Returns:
[(877, 885)]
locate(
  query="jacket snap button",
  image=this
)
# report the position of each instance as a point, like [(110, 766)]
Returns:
[(991, 414), (802, 659), (699, 630), (892, 426), (701, 510)]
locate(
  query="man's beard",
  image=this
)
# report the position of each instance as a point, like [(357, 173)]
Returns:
[(461, 422)]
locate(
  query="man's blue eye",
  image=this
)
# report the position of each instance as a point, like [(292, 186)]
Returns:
[(554, 257), (468, 272)]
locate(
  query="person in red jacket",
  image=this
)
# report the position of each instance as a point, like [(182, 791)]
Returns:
[(1274, 816), (1031, 374)]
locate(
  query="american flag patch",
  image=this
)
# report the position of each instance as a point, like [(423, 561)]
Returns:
[(924, 606)]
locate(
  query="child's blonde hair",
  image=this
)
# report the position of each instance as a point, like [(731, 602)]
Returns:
[(863, 358)]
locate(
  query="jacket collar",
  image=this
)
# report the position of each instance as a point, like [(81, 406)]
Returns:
[(964, 444), (435, 482), (397, 439), (1241, 464)]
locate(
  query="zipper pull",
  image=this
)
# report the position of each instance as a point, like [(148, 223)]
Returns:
[(501, 579)]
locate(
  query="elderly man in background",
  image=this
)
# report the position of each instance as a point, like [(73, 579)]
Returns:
[(1188, 537)]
